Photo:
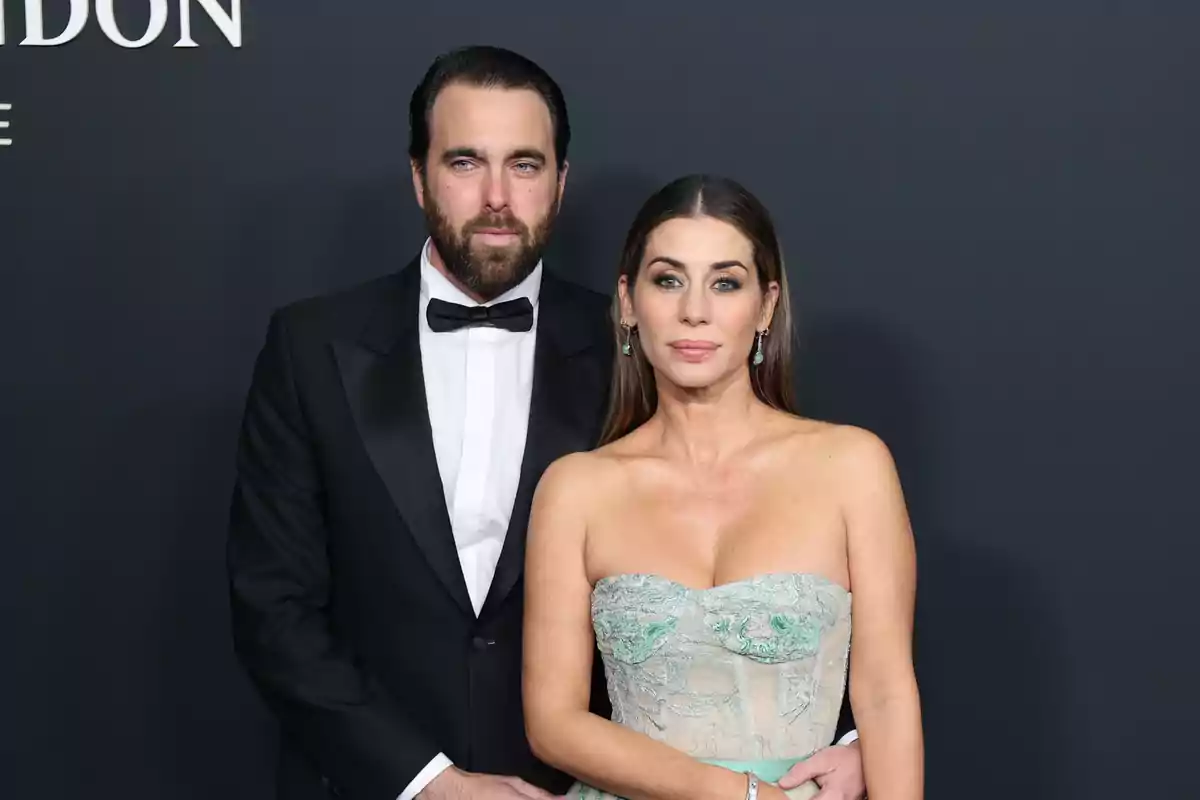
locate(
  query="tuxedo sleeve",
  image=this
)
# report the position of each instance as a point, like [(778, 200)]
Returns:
[(846, 729), (279, 577)]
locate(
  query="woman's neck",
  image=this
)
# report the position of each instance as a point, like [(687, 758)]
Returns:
[(703, 427)]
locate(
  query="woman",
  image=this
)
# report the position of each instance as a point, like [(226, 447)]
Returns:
[(716, 545)]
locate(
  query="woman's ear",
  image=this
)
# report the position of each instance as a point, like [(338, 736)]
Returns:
[(770, 301), (626, 297)]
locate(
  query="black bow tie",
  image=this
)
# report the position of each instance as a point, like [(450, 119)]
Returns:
[(512, 315)]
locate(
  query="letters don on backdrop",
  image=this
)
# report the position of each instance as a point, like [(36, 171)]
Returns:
[(228, 22)]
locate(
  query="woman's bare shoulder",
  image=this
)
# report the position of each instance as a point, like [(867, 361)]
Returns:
[(576, 476), (847, 447)]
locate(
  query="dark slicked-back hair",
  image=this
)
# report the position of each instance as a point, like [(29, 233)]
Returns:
[(486, 67)]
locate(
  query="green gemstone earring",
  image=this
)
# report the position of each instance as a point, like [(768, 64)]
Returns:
[(626, 347), (758, 353)]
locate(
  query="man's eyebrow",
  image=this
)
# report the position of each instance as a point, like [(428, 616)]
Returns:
[(530, 153), (462, 152)]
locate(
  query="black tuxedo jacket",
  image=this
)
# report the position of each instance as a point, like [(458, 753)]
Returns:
[(350, 611)]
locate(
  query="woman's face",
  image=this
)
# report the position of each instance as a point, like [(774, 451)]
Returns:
[(697, 301)]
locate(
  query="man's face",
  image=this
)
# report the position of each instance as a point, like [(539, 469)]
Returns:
[(490, 188)]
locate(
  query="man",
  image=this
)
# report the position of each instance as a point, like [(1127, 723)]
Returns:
[(392, 439)]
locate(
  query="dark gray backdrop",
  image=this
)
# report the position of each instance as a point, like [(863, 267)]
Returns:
[(989, 220)]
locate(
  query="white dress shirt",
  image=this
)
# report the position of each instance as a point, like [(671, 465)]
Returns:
[(477, 386)]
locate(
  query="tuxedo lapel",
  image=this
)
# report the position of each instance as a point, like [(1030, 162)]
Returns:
[(568, 393), (384, 383)]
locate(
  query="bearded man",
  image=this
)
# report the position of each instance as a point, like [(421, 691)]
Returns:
[(391, 442)]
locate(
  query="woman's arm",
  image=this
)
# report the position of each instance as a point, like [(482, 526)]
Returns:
[(883, 685), (559, 642)]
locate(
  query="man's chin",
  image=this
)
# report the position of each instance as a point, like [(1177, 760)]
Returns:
[(503, 254), (499, 264), (495, 284)]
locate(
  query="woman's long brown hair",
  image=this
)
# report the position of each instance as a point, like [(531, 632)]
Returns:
[(633, 398)]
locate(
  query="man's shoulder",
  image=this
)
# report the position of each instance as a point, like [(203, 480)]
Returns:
[(568, 292), (343, 311), (581, 311)]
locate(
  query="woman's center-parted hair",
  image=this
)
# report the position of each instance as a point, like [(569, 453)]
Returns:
[(633, 397)]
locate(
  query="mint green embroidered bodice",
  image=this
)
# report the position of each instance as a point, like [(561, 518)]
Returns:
[(747, 671)]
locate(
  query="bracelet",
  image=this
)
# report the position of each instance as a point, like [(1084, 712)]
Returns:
[(751, 786)]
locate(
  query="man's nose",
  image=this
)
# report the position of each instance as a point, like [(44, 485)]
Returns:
[(496, 190)]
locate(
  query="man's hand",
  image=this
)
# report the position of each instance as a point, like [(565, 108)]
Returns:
[(455, 784), (837, 770)]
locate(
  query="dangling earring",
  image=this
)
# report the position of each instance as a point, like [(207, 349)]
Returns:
[(758, 353), (626, 347)]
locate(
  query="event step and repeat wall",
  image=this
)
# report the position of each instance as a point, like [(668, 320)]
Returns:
[(989, 212)]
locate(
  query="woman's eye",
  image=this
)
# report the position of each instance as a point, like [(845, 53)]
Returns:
[(727, 284), (669, 281)]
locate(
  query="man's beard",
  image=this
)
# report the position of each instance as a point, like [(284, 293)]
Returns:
[(488, 271)]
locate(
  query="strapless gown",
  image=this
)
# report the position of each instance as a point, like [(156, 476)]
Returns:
[(747, 675)]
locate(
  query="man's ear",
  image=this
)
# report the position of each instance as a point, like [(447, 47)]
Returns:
[(562, 180), (418, 179)]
